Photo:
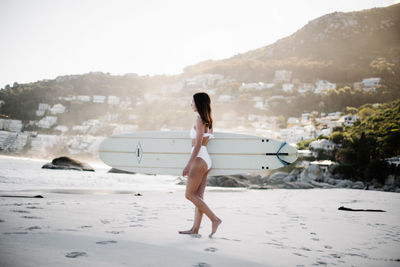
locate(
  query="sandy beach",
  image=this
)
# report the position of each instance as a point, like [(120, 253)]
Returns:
[(105, 219)]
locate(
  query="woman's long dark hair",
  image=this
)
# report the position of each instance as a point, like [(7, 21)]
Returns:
[(203, 106)]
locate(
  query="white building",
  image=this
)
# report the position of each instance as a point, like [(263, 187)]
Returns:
[(11, 125), (283, 76), (124, 128), (296, 134), (113, 100), (83, 98), (42, 109), (323, 164), (349, 120), (44, 142), (43, 106), (322, 86), (370, 84), (324, 131), (305, 117), (257, 86), (322, 144), (305, 87), (61, 128), (99, 99), (83, 129), (57, 109), (40, 113), (287, 87), (47, 122), (293, 120)]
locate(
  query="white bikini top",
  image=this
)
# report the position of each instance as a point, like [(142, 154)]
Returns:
[(193, 134)]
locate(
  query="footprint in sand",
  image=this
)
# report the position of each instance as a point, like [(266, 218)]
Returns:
[(106, 242), (33, 207), (31, 217), (21, 211), (136, 225), (115, 232), (2, 221), (201, 264), (306, 249), (319, 263), (315, 239), (328, 247), (298, 254), (15, 233), (76, 254), (33, 228), (211, 249)]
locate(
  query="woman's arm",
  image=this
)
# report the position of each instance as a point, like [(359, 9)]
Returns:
[(197, 145)]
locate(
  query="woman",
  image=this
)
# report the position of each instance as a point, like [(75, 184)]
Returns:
[(199, 164)]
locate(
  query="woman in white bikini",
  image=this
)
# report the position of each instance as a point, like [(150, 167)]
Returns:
[(199, 164)]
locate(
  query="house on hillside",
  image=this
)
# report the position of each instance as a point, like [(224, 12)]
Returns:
[(257, 86), (47, 122), (305, 87), (83, 98), (370, 84), (323, 164), (349, 120), (113, 100), (11, 125), (323, 86), (57, 109), (42, 109), (287, 87), (99, 99), (322, 144)]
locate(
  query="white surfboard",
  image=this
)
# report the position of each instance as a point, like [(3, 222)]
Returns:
[(169, 152)]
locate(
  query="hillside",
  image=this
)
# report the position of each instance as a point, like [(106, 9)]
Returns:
[(338, 47)]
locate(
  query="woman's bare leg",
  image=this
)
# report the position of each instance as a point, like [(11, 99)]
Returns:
[(198, 215), (196, 173)]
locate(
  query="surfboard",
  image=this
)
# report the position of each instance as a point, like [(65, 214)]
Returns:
[(168, 153)]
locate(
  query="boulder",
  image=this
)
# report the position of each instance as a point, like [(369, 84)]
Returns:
[(278, 177), (321, 184), (298, 185), (358, 185), (67, 163), (344, 183), (253, 179), (389, 181), (311, 173), (114, 170), (224, 181), (331, 181), (289, 178)]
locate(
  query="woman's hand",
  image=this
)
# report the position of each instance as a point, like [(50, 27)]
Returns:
[(186, 170)]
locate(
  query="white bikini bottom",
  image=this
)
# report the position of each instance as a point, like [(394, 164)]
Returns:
[(203, 154)]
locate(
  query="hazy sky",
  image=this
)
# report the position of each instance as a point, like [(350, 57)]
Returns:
[(42, 39)]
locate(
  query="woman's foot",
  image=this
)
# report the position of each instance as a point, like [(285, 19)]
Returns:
[(188, 232), (215, 225)]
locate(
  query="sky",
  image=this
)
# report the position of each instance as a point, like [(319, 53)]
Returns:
[(42, 39)]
